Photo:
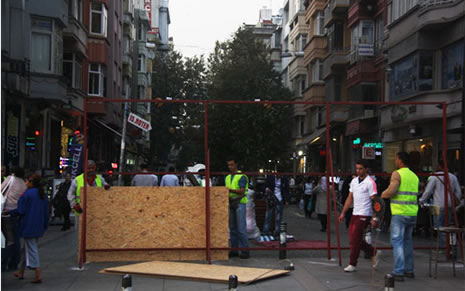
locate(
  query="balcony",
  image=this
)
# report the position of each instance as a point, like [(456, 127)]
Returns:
[(314, 93), (313, 7), (16, 75), (76, 33), (297, 67), (315, 49), (335, 9), (298, 27), (339, 113), (437, 12), (48, 87), (335, 59)]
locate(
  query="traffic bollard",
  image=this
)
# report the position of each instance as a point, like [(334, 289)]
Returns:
[(126, 284), (282, 240), (389, 282), (232, 283)]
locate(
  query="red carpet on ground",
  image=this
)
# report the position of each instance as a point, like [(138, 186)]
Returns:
[(296, 244)]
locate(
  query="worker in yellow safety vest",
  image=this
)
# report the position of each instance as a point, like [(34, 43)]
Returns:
[(93, 180), (238, 184), (403, 192)]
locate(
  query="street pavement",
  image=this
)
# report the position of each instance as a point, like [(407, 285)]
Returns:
[(313, 270)]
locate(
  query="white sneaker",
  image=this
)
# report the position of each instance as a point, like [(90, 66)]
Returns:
[(350, 268), (375, 259)]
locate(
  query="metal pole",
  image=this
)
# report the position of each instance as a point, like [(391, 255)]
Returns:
[(462, 146), (444, 158), (82, 250), (207, 186), (123, 143), (328, 215), (335, 210)]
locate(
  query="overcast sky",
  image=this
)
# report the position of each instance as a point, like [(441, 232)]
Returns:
[(197, 25)]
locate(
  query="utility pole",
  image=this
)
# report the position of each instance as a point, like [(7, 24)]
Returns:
[(123, 142)]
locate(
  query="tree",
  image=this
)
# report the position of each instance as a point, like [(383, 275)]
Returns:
[(240, 69)]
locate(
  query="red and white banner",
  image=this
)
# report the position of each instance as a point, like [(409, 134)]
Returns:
[(139, 122)]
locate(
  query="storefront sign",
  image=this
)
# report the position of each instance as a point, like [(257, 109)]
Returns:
[(12, 136), (139, 122), (377, 145), (368, 153)]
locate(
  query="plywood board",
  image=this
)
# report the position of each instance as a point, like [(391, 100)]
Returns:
[(154, 217), (202, 272)]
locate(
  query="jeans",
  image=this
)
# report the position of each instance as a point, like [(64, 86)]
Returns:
[(238, 226), (402, 243), (278, 210), (439, 220)]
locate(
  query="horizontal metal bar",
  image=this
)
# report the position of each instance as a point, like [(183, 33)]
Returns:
[(105, 100)]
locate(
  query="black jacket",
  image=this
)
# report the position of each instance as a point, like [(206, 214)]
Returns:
[(271, 182)]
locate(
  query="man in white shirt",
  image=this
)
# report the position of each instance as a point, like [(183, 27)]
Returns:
[(361, 192), (169, 180), (435, 187), (144, 179)]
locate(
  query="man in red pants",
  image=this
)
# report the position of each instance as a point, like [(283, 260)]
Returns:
[(361, 192)]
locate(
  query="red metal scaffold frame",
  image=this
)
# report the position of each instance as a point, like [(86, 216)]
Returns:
[(328, 173)]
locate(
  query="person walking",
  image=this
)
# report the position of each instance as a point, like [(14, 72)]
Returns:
[(169, 180), (12, 188), (403, 191), (361, 191), (61, 203), (33, 213), (277, 196), (319, 199), (307, 196), (435, 187), (145, 179), (238, 184)]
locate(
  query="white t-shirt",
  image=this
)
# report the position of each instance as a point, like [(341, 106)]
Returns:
[(361, 192), (277, 189)]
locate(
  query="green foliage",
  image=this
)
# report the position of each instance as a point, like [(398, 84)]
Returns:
[(240, 69)]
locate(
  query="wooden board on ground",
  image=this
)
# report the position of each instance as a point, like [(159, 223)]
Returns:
[(198, 272), (154, 217)]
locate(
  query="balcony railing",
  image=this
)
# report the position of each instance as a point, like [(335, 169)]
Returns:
[(16, 74), (429, 3)]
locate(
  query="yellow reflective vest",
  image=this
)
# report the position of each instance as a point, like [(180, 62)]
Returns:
[(234, 185), (80, 184), (404, 202)]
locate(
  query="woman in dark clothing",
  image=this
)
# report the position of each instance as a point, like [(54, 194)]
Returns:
[(61, 203), (33, 212)]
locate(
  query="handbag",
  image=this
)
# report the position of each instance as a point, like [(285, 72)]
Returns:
[(5, 192)]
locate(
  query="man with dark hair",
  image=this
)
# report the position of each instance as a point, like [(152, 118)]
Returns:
[(435, 187), (403, 191), (277, 196), (237, 183), (169, 180), (362, 190), (145, 179)]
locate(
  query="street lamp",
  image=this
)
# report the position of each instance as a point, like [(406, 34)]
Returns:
[(300, 153)]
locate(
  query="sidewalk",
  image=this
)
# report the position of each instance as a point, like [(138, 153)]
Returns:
[(313, 271)]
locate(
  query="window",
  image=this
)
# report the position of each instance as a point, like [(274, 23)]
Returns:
[(96, 80), (141, 92), (303, 84), (319, 24), (379, 33), (412, 74), (301, 41), (366, 32), (452, 66), (317, 71), (362, 39), (42, 45), (398, 8), (140, 32), (75, 9), (98, 19), (141, 63), (336, 36), (72, 70)]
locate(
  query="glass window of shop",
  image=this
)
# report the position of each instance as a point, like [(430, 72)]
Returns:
[(452, 66), (420, 154)]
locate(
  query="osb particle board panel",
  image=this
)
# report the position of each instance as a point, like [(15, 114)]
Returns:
[(203, 272), (154, 217)]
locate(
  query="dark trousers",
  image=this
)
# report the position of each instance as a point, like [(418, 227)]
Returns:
[(66, 220), (11, 253), (323, 220), (307, 199), (356, 236)]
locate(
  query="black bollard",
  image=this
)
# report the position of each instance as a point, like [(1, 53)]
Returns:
[(126, 284), (389, 282), (232, 283), (282, 240)]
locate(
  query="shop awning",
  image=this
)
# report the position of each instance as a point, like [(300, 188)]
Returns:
[(317, 133)]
